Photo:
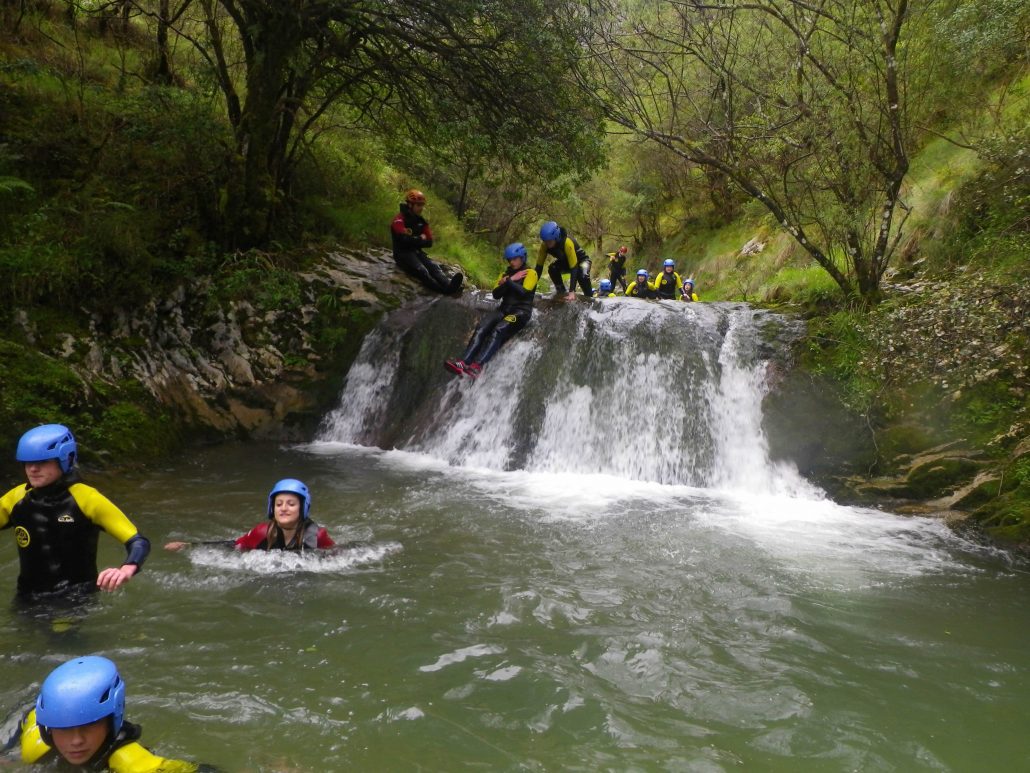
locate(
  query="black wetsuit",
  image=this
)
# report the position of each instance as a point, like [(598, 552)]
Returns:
[(617, 269), (407, 230), (56, 528), (516, 296)]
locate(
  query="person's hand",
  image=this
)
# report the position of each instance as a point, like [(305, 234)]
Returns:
[(176, 545), (571, 296), (519, 275), (113, 578)]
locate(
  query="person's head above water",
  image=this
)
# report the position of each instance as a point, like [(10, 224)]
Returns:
[(48, 452), (80, 706), (289, 501)]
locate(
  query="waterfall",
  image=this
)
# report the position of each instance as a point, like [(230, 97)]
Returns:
[(656, 391)]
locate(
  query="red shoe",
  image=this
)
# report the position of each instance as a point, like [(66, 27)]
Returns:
[(473, 369), (456, 366)]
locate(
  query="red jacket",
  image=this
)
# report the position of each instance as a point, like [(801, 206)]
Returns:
[(313, 536)]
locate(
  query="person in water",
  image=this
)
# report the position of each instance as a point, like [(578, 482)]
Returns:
[(515, 288), (667, 283), (642, 288), (569, 258), (617, 267), (79, 721), (605, 290), (687, 293), (411, 236), (289, 525), (57, 520)]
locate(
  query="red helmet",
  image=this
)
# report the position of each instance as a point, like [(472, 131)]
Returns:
[(415, 196), (623, 250)]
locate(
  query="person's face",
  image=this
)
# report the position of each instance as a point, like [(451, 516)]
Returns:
[(548, 243), (286, 509), (516, 263), (417, 206), (41, 474), (668, 269), (641, 279), (78, 744)]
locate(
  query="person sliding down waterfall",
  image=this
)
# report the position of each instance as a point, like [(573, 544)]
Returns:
[(515, 289), (569, 256)]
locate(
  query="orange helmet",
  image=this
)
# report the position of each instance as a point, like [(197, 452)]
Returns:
[(623, 250), (415, 196)]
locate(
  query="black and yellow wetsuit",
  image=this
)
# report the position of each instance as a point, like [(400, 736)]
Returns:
[(640, 289), (516, 296), (666, 285), (121, 754), (56, 528), (571, 259)]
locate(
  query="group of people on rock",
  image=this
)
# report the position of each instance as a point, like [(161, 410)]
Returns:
[(516, 286), (78, 718)]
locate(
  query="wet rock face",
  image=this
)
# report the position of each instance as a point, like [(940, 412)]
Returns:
[(237, 370)]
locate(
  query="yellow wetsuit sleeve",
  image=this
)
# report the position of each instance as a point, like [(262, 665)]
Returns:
[(134, 758), (103, 512), (532, 277), (571, 261), (9, 500), (32, 745), (541, 256)]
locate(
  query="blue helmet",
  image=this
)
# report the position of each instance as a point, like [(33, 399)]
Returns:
[(642, 272), (606, 285), (515, 250), (688, 281), (549, 231), (80, 692), (50, 441), (291, 486), (669, 263)]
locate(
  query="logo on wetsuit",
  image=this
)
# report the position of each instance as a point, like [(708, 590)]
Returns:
[(21, 536)]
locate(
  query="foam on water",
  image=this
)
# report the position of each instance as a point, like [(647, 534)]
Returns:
[(335, 560)]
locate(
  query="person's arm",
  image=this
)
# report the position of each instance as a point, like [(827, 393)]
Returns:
[(427, 235), (403, 234), (254, 538), (105, 514), (136, 757), (324, 540), (541, 256), (500, 286), (8, 501), (571, 258)]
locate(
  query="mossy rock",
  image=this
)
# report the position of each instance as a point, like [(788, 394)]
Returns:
[(1007, 518), (940, 476), (907, 438)]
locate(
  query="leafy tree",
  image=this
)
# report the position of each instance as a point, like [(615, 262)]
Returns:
[(805, 105), (442, 71)]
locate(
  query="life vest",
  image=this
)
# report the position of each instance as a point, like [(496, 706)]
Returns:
[(122, 754)]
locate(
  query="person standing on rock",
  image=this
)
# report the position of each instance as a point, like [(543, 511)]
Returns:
[(411, 237), (569, 258), (57, 519), (617, 267)]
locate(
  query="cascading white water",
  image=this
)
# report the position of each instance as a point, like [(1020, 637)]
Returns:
[(657, 391)]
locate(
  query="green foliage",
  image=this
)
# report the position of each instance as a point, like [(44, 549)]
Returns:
[(839, 348), (258, 279)]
